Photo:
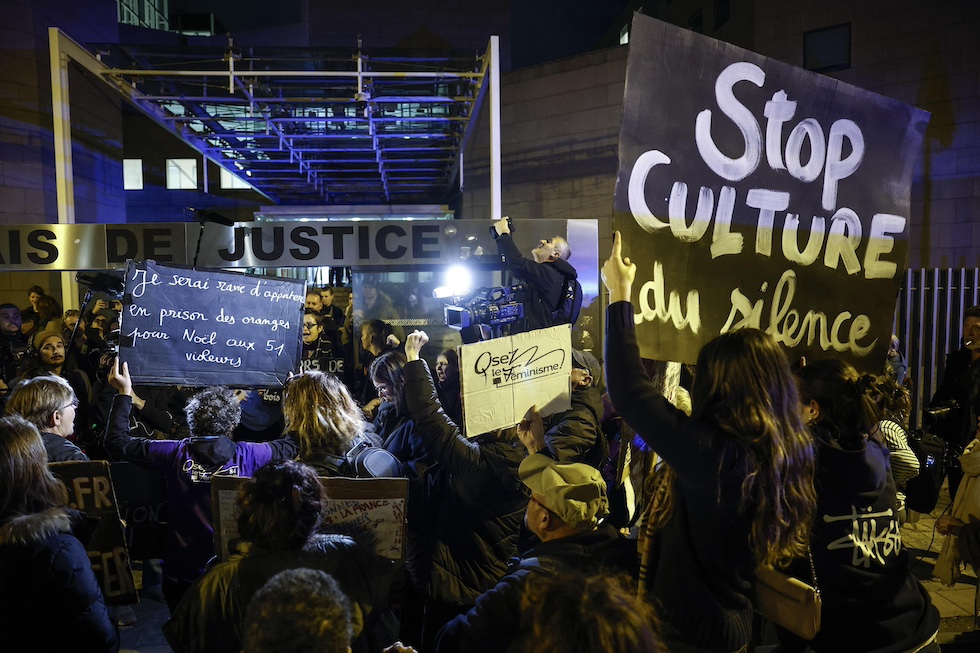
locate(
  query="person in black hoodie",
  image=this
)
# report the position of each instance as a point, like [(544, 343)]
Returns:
[(872, 602), (52, 600), (545, 275), (568, 502)]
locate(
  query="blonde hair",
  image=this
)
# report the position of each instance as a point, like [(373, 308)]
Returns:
[(318, 407), (39, 398)]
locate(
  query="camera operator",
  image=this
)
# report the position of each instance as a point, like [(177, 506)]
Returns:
[(544, 275), (956, 405)]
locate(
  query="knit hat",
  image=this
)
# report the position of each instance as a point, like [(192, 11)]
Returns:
[(573, 491)]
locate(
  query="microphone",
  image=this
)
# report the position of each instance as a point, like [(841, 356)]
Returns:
[(101, 282), (203, 215)]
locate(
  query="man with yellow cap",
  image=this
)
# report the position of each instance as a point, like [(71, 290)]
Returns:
[(567, 504)]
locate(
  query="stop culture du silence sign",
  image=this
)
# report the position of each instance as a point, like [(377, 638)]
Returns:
[(753, 193)]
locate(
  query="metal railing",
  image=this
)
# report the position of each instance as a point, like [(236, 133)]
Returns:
[(929, 323)]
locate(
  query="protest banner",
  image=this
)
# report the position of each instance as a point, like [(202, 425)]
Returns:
[(142, 505), (370, 510), (753, 193), (503, 377), (198, 327), (89, 487)]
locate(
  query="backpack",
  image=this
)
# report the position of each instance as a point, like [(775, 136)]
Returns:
[(363, 461), (570, 304), (922, 492)]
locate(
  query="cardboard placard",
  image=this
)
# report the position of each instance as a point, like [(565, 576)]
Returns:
[(370, 510), (753, 193), (503, 377), (89, 486), (199, 327)]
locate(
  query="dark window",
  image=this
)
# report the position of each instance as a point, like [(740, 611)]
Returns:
[(827, 49), (696, 22), (723, 11)]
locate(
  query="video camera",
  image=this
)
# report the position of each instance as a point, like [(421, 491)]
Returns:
[(489, 306)]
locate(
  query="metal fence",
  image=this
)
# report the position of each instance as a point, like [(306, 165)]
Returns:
[(929, 322)]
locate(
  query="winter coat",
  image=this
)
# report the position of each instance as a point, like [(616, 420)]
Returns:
[(492, 624), (52, 601), (702, 566), (960, 384), (574, 436), (966, 508), (210, 618), (61, 450), (544, 282), (871, 601), (188, 466), (481, 506)]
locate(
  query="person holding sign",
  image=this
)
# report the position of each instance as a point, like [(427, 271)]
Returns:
[(546, 274), (188, 465), (480, 509), (280, 511), (52, 600), (736, 490)]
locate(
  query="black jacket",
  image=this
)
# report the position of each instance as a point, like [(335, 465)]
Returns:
[(210, 618), (61, 450), (961, 384), (702, 567), (493, 623), (544, 282), (574, 436), (481, 506), (871, 601), (52, 601)]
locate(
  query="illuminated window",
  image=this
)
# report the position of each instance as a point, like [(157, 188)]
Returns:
[(182, 174), (624, 35), (233, 182), (132, 174)]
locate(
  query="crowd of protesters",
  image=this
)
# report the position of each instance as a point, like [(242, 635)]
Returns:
[(512, 541)]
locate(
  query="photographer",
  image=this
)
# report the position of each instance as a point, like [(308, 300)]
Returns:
[(959, 392), (545, 275)]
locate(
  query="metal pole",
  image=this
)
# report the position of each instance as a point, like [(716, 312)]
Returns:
[(495, 201), (64, 181)]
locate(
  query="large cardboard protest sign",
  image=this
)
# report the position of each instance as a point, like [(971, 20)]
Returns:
[(753, 193), (197, 327), (370, 510), (503, 377), (90, 490)]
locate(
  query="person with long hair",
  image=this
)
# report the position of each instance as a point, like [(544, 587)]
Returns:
[(736, 487), (52, 601), (871, 601), (393, 424), (281, 509), (325, 419)]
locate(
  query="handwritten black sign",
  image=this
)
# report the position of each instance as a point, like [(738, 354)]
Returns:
[(199, 327), (90, 490), (751, 193)]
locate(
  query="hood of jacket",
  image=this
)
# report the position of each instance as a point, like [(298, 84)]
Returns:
[(25, 530), (565, 268), (211, 450)]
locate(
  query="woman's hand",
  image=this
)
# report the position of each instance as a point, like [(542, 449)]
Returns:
[(119, 378), (531, 431), (414, 343), (947, 525), (618, 273)]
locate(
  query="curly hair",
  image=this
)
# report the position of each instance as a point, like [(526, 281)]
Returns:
[(298, 611), (577, 613), (318, 407), (389, 368), (894, 401), (281, 506), (213, 411), (743, 387), (847, 411), (26, 484)]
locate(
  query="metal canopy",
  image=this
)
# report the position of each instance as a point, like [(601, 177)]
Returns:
[(309, 126)]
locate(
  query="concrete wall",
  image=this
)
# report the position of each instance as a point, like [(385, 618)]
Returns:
[(921, 53), (559, 146)]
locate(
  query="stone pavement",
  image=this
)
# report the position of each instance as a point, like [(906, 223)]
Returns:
[(958, 604)]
